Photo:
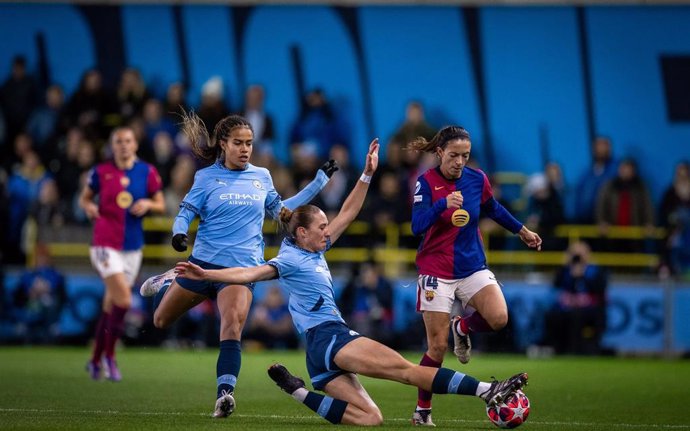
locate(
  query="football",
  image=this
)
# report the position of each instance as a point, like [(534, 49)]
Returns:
[(511, 413)]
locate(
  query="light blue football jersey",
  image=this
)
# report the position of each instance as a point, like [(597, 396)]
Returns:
[(231, 206), (307, 279)]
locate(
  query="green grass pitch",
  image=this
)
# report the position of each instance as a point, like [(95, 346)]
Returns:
[(47, 388)]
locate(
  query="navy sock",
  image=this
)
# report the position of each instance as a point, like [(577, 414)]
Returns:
[(228, 366), (158, 297), (453, 382), (331, 409)]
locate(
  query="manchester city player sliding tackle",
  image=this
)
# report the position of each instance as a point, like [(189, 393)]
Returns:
[(335, 353)]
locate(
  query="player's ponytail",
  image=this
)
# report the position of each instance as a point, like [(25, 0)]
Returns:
[(203, 146), (448, 133), (284, 218), (194, 129)]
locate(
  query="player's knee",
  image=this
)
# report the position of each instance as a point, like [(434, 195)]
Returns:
[(376, 418), (499, 321), (370, 417), (160, 322), (232, 328)]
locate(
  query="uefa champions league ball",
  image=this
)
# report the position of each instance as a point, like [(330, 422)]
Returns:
[(511, 413)]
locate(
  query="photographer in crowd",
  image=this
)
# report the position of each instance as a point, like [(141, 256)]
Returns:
[(577, 319)]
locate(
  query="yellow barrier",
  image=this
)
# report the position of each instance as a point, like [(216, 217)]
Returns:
[(394, 257)]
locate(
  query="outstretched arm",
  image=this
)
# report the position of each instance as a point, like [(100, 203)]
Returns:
[(227, 275), (309, 192), (355, 200)]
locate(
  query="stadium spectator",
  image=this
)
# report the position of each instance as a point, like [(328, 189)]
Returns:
[(336, 353), (164, 155), (544, 207), (131, 95), (39, 299), (415, 124), (333, 195), (89, 106), (366, 303), (304, 159), (673, 216), (198, 328), (603, 168), (450, 260), (155, 122), (18, 98), (318, 127), (260, 120), (212, 108), (23, 189), (127, 190), (175, 103), (47, 123), (270, 323), (21, 145), (230, 235), (577, 320), (48, 211), (181, 180), (76, 156), (625, 201), (386, 206)]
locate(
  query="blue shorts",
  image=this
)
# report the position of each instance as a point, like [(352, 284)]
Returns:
[(203, 287), (324, 341)]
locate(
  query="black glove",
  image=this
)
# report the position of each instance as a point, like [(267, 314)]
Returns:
[(179, 242), (329, 167)]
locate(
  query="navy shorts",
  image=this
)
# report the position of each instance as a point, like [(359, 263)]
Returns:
[(324, 341), (203, 287)]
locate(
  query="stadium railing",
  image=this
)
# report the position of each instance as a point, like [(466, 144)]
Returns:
[(394, 245)]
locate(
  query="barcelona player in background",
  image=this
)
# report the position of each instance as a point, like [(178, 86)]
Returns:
[(451, 263), (128, 189)]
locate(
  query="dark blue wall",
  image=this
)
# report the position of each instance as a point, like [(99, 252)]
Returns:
[(515, 77)]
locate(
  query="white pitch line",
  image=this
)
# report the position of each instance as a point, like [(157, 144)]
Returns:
[(316, 418)]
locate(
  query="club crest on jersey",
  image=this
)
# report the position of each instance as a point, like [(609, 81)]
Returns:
[(429, 295), (258, 184), (124, 200)]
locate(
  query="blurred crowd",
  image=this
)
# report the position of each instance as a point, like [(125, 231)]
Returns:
[(50, 140)]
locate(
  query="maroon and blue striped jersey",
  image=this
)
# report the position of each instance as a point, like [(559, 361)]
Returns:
[(448, 251), (118, 189)]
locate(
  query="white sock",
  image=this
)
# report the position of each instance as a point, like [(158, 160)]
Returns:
[(482, 387), (300, 394)]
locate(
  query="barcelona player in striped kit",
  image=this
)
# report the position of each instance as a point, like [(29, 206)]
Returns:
[(336, 353), (128, 189), (450, 260), (231, 197)]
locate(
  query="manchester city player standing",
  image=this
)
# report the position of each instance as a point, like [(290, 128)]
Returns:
[(231, 198)]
